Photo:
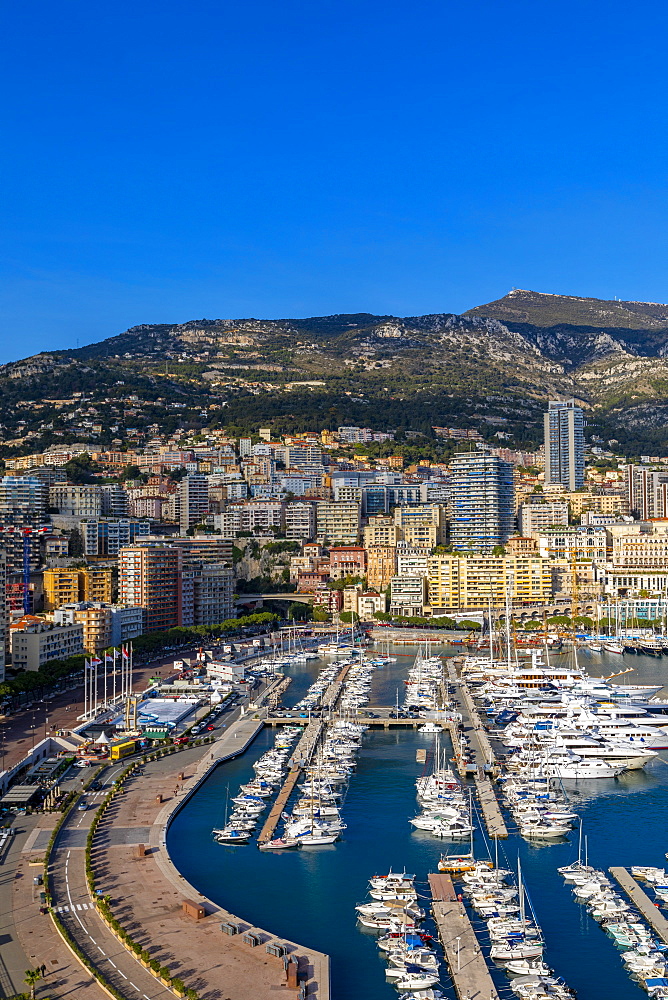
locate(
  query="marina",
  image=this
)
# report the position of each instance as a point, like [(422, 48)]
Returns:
[(466, 962), (379, 799)]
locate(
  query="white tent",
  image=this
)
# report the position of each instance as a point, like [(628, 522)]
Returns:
[(103, 738)]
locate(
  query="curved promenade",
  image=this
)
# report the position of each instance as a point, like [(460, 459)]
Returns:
[(147, 893)]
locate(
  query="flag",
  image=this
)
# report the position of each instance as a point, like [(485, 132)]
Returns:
[(95, 661), (125, 653), (108, 658)]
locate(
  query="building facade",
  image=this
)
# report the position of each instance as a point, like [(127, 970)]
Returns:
[(482, 506), (151, 577), (564, 444), (36, 642)]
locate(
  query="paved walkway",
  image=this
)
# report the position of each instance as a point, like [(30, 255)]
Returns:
[(468, 969), (217, 966)]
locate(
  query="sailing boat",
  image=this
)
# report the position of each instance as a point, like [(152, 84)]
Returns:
[(521, 945), (231, 833), (463, 862)]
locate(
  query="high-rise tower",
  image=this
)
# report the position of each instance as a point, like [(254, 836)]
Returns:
[(564, 444), (482, 508)]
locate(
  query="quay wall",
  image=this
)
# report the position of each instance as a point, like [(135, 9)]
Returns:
[(223, 750)]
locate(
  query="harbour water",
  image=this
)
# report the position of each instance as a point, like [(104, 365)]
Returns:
[(309, 895)]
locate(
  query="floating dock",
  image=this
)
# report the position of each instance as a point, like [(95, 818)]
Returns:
[(641, 900), (300, 758), (331, 696), (491, 811), (468, 969), (485, 760)]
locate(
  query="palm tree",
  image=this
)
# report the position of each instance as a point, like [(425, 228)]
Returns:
[(31, 977)]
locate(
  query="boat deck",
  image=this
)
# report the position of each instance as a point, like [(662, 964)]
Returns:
[(468, 969), (641, 900)]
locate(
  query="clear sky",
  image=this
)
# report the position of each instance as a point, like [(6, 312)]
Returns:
[(165, 161)]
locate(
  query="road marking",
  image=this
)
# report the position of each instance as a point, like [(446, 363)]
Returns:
[(133, 986), (99, 949), (79, 906), (121, 973), (113, 963)]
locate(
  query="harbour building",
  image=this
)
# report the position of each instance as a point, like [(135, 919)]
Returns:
[(564, 444), (482, 506)]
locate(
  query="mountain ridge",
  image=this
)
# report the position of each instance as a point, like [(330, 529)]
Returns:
[(505, 358)]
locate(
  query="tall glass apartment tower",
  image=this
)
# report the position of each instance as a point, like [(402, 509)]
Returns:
[(482, 502), (564, 444)]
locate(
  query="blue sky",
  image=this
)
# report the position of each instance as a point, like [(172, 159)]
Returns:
[(169, 161)]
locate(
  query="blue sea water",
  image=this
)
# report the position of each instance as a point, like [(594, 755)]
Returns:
[(309, 895)]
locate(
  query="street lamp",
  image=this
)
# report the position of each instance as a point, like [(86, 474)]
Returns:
[(458, 941)]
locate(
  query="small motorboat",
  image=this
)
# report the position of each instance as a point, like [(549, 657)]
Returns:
[(279, 844), (430, 727), (416, 981)]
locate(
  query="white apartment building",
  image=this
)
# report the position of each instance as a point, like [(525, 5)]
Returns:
[(569, 543), (193, 495), (38, 643), (300, 520), (369, 603), (255, 516), (408, 595), (534, 517), (412, 561)]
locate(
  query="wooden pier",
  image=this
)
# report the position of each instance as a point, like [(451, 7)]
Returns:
[(300, 759), (485, 760), (642, 902), (489, 805), (468, 969), (333, 693)]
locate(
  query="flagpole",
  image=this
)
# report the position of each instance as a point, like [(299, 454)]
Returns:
[(105, 678), (130, 671), (85, 688), (114, 675), (95, 706)]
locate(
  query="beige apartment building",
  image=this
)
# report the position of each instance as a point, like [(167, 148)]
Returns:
[(424, 525), (474, 581), (67, 586), (338, 523), (381, 566), (382, 530)]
